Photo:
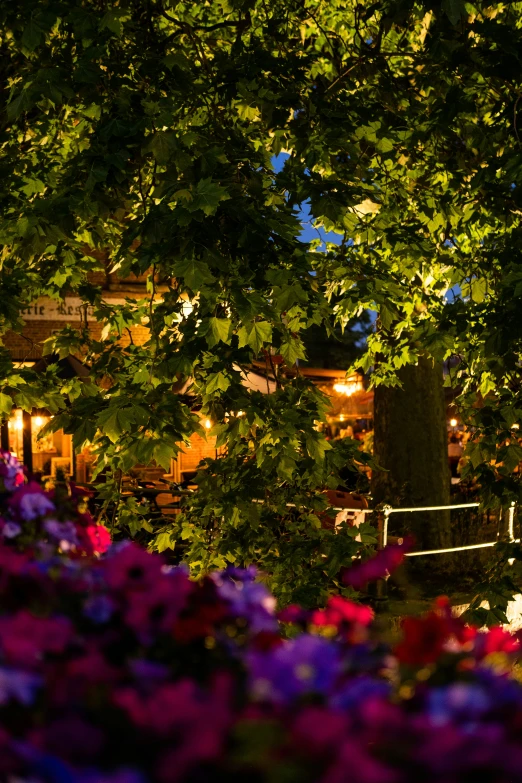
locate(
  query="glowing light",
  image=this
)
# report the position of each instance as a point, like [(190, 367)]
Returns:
[(19, 425), (341, 417), (207, 424), (515, 426), (186, 309), (39, 421), (453, 422), (347, 387), (240, 413)]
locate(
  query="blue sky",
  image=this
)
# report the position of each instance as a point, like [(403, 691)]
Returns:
[(309, 232)]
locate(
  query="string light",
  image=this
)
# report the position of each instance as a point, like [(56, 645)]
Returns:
[(453, 422)]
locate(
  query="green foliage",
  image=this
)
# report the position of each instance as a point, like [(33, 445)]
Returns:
[(140, 140)]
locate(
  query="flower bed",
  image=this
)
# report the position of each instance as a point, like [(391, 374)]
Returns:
[(119, 669)]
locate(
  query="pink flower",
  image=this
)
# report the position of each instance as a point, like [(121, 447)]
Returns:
[(496, 640), (132, 568), (30, 502), (340, 611), (26, 639), (93, 539), (383, 563)]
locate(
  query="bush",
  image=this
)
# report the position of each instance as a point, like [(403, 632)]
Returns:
[(120, 669)]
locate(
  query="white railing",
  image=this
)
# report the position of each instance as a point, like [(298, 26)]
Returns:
[(388, 510)]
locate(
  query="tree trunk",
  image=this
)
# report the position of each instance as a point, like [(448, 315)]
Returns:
[(410, 443)]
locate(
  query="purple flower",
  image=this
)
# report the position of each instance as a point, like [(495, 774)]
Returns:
[(98, 608), (358, 691), (247, 598), (11, 472), (18, 685), (31, 502), (11, 530), (63, 532), (307, 664), (460, 702), (149, 671)]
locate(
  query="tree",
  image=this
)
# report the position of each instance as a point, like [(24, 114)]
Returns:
[(143, 134), (410, 445)]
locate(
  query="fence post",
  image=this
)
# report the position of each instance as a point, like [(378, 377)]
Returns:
[(383, 514), (511, 522)]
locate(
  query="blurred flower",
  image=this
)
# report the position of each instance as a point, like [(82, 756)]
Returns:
[(30, 502), (11, 472), (247, 598), (132, 568), (381, 565), (344, 615), (18, 685), (11, 529), (62, 532), (459, 702), (93, 539), (99, 608), (307, 664), (25, 638)]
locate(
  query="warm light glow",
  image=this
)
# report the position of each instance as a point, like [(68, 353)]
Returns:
[(186, 309), (240, 413), (341, 417), (346, 388), (39, 421), (207, 424), (453, 422), (515, 426), (19, 425)]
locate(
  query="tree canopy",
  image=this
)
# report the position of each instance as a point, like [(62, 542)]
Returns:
[(138, 137)]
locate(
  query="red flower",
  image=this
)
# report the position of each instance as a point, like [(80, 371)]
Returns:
[(423, 639)]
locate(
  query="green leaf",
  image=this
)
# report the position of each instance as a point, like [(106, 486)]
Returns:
[(194, 271), (220, 329), (164, 451), (33, 35), (207, 197), (6, 404), (291, 350), (162, 146), (454, 10), (317, 447), (218, 381), (260, 334), (112, 21), (163, 541)]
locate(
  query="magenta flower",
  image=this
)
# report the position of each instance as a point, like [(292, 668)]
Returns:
[(132, 568), (25, 639), (377, 567)]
